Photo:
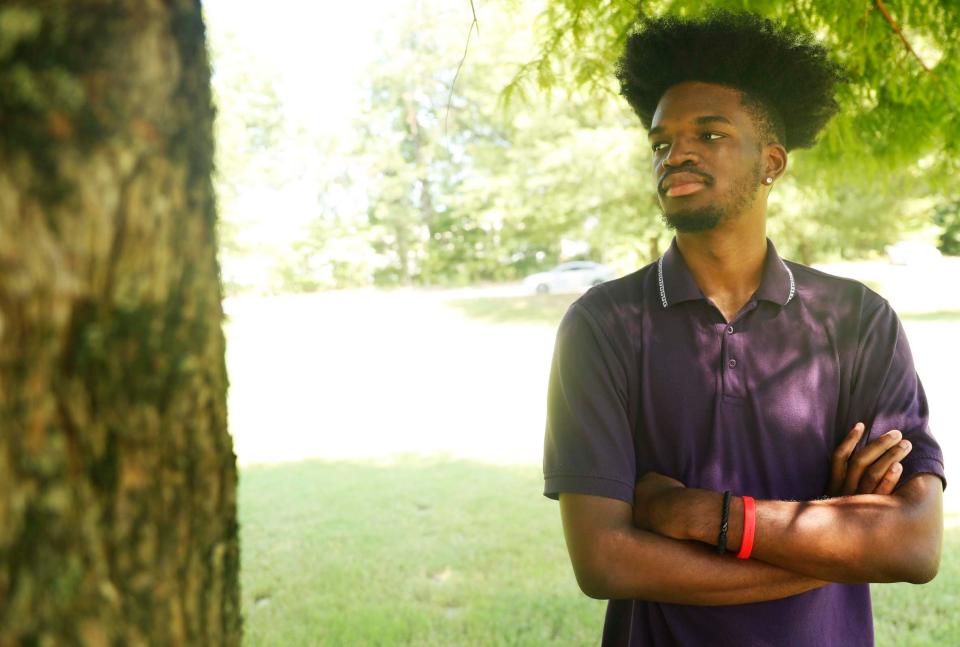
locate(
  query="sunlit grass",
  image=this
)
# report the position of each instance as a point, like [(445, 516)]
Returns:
[(544, 309), (943, 316), (548, 309)]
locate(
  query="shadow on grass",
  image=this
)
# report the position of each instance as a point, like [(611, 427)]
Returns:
[(418, 552), (543, 309), (432, 551)]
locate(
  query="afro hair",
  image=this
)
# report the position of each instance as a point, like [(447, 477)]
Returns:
[(786, 78)]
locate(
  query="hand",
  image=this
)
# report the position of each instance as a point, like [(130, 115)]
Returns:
[(873, 469), (650, 500)]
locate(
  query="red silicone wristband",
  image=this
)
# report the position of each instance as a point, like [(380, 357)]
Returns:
[(749, 527)]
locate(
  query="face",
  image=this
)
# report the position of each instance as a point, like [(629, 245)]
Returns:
[(707, 156)]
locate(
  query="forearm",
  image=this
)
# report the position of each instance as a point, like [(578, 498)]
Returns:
[(643, 565), (861, 538), (621, 561)]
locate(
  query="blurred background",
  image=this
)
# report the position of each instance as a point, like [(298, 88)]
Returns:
[(411, 194)]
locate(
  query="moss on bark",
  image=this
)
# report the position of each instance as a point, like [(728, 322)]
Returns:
[(117, 473)]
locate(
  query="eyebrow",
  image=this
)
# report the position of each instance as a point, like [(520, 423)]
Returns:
[(705, 119)]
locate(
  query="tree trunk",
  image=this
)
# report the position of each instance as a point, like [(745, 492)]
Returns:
[(653, 247), (117, 474)]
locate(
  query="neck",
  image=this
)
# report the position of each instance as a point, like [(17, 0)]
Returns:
[(727, 265)]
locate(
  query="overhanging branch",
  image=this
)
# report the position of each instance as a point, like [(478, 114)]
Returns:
[(896, 28), (453, 84)]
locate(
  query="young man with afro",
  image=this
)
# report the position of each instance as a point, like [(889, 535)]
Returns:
[(739, 443)]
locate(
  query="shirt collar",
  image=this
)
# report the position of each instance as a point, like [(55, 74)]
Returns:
[(677, 284)]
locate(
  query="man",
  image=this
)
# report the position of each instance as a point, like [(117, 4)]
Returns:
[(723, 369)]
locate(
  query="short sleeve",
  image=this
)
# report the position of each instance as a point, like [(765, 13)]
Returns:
[(889, 390), (588, 445)]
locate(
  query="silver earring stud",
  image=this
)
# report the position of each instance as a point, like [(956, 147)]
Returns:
[(768, 180)]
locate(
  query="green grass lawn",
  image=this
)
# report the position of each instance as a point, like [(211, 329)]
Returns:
[(545, 309), (548, 309), (427, 552)]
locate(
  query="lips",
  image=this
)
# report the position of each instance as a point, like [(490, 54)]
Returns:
[(683, 183), (677, 190)]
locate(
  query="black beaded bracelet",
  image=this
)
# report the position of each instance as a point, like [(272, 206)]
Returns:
[(724, 522)]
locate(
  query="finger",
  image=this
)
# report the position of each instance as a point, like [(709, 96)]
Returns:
[(873, 474), (889, 481), (838, 463), (866, 456)]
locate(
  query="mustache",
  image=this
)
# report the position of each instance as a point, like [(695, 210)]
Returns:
[(707, 178)]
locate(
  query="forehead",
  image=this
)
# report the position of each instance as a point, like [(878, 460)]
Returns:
[(691, 99)]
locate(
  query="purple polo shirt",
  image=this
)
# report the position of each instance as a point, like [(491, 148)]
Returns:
[(647, 375)]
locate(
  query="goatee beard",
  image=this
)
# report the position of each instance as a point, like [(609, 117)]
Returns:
[(694, 220)]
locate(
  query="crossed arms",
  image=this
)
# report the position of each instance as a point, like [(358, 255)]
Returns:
[(661, 548)]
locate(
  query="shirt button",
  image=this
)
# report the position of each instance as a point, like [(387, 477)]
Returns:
[(732, 363), (729, 330)]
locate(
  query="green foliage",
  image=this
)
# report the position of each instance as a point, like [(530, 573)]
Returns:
[(491, 177), (894, 110), (490, 189), (947, 216), (419, 138), (895, 140), (248, 129), (265, 155), (563, 158), (329, 254)]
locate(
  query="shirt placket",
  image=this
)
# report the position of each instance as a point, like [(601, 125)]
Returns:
[(732, 357)]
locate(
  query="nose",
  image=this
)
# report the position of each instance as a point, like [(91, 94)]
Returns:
[(680, 153)]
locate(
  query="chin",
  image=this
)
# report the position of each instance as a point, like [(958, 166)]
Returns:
[(693, 221)]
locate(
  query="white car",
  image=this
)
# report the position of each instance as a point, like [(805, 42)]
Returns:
[(574, 276), (913, 252)]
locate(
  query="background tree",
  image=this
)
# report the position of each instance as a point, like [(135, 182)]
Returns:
[(250, 133), (525, 155), (947, 215), (117, 475), (464, 187)]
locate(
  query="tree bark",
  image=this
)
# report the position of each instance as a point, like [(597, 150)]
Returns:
[(117, 473)]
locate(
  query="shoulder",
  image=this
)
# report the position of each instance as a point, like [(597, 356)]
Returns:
[(612, 311), (820, 283), (610, 302), (837, 297)]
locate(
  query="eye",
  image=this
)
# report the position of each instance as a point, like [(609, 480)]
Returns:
[(658, 146), (712, 136)]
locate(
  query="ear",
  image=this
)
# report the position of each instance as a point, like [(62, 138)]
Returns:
[(774, 160)]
